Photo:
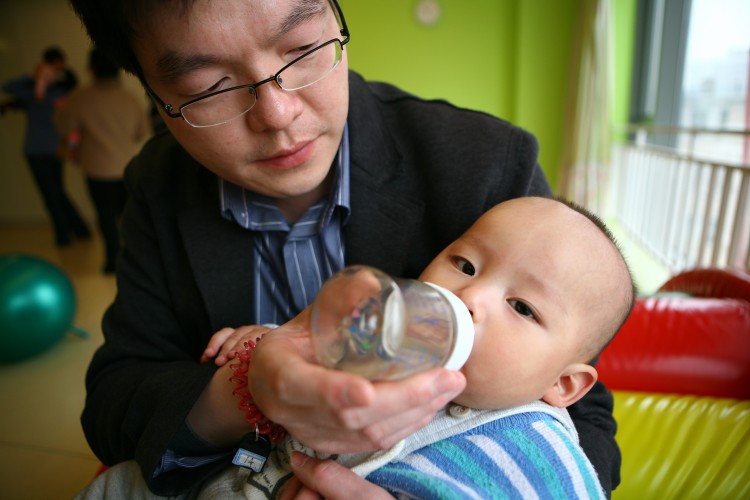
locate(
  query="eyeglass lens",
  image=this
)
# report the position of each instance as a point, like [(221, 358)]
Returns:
[(224, 106)]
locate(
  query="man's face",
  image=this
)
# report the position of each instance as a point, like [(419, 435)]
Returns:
[(284, 146), (534, 275)]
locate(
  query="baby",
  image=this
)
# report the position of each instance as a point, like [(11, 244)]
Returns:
[(547, 289)]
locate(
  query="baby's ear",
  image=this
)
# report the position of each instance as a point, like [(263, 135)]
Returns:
[(572, 385)]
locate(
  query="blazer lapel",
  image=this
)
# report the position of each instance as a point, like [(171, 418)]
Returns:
[(378, 215), (223, 277), (379, 229)]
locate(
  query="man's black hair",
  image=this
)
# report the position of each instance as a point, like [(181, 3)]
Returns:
[(102, 64)]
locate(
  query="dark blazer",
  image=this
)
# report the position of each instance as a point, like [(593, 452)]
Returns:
[(421, 173)]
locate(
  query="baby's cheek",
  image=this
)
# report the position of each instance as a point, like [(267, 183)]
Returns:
[(477, 387)]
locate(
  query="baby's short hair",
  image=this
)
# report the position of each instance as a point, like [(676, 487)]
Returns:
[(600, 341)]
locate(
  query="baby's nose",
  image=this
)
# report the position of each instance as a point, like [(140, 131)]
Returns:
[(473, 305)]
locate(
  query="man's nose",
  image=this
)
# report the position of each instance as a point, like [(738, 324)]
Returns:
[(275, 108)]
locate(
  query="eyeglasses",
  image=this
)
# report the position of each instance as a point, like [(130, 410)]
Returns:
[(225, 105)]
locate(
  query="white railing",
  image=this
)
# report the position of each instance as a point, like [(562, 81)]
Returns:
[(687, 204)]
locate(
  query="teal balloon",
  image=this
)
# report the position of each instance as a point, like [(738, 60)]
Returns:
[(37, 306)]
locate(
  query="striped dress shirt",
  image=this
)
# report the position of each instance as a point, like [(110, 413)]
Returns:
[(291, 262)]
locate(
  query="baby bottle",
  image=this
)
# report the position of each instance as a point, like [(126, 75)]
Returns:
[(364, 321)]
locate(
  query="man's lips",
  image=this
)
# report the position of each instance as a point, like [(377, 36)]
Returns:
[(289, 158)]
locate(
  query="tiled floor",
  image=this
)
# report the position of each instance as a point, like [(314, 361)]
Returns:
[(43, 454)]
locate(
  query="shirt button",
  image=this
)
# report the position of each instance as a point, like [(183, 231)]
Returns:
[(458, 411)]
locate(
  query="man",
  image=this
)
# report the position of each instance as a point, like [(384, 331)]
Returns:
[(260, 193)]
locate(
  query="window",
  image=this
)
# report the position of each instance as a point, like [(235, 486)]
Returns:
[(682, 185), (692, 68), (715, 81)]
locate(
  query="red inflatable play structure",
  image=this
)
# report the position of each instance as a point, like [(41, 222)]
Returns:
[(680, 373)]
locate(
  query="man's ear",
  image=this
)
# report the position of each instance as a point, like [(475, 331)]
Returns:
[(571, 385)]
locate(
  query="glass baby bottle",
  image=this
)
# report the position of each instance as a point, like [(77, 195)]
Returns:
[(366, 322)]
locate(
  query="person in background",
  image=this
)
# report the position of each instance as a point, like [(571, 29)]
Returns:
[(112, 124), (280, 168), (38, 95)]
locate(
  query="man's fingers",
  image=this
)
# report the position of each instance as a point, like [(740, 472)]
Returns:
[(394, 410), (332, 480), (294, 489), (334, 389), (428, 391)]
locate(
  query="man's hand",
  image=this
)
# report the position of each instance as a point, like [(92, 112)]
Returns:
[(337, 412), (314, 479)]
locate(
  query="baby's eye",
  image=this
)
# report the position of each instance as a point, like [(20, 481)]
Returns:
[(522, 308), (464, 266)]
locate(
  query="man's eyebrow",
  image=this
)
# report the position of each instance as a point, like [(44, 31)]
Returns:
[(302, 12), (173, 65)]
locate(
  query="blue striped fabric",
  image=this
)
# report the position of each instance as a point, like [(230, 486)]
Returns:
[(529, 455), (291, 262), (576, 465)]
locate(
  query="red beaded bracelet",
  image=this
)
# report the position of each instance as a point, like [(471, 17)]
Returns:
[(253, 415)]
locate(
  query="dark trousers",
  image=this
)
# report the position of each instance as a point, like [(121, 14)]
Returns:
[(109, 198), (66, 221)]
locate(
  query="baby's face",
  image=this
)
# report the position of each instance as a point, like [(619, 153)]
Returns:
[(534, 275)]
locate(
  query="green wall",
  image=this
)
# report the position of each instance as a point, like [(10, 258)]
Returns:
[(624, 45), (467, 57), (544, 46), (508, 58)]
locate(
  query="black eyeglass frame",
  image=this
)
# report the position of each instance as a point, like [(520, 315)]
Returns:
[(169, 109)]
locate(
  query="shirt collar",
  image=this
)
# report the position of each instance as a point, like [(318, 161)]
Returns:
[(244, 206)]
